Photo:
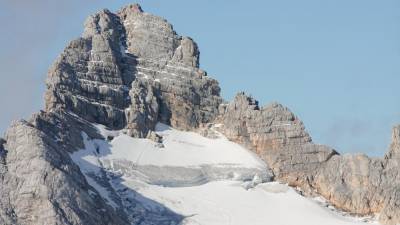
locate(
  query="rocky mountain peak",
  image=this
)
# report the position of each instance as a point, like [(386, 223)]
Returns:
[(242, 100), (123, 56), (394, 149), (136, 8), (131, 70)]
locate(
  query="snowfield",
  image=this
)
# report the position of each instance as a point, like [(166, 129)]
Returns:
[(193, 180), (227, 203), (183, 149)]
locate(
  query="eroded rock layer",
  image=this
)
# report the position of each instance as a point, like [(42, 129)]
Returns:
[(354, 183), (130, 70), (40, 183)]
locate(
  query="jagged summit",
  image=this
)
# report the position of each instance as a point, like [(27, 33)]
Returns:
[(394, 150), (134, 7), (129, 72), (95, 75)]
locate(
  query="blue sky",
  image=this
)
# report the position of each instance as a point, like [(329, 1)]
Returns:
[(335, 64)]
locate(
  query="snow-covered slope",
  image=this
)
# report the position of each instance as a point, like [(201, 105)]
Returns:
[(183, 149), (191, 179)]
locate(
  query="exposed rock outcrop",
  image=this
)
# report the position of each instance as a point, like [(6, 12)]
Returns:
[(353, 183), (277, 136), (142, 115), (394, 149), (129, 70), (41, 184)]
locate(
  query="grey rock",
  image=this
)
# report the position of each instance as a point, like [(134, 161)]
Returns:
[(41, 184), (390, 185), (187, 53), (91, 78), (154, 137), (394, 149), (148, 36), (353, 183), (7, 215), (277, 136), (142, 115), (187, 97), (129, 70)]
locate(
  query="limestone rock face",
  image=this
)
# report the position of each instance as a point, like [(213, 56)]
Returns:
[(363, 185), (95, 75), (170, 63), (244, 119), (394, 150), (353, 183), (390, 186), (275, 134), (142, 115), (92, 77), (41, 185)]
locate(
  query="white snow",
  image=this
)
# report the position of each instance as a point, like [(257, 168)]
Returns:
[(226, 203), (105, 132), (208, 181), (184, 149), (90, 166)]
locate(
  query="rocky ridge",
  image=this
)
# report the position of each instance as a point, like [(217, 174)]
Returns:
[(353, 183), (130, 70)]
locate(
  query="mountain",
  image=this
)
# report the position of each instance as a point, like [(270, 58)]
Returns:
[(135, 132)]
